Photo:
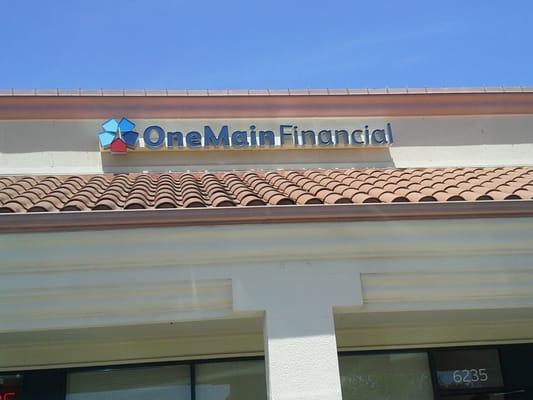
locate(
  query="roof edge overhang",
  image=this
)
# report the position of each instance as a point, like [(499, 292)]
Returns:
[(131, 219), (29, 106)]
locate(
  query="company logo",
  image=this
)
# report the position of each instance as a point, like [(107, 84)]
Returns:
[(118, 136)]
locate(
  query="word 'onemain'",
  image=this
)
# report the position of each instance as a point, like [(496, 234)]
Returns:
[(155, 137)]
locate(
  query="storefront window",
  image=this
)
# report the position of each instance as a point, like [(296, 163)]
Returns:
[(161, 383), (231, 381), (518, 395), (236, 380), (399, 376)]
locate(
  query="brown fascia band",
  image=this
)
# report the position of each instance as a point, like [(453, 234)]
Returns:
[(366, 105), (130, 219)]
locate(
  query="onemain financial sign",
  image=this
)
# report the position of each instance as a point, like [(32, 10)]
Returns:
[(120, 135)]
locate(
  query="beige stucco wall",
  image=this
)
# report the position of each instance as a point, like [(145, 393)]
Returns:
[(71, 146), (296, 293), (108, 296)]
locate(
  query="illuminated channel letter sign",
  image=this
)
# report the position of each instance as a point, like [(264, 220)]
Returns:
[(118, 136)]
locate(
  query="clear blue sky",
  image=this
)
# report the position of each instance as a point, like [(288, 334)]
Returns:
[(222, 44)]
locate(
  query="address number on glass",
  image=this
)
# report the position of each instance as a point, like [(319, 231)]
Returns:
[(470, 375), (468, 369)]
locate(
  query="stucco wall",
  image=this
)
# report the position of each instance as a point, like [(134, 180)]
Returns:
[(71, 146), (79, 280)]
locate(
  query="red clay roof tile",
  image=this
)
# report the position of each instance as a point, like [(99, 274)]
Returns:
[(21, 194)]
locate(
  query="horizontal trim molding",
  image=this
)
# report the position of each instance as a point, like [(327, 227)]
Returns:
[(436, 286), (367, 105), (260, 215), (79, 304)]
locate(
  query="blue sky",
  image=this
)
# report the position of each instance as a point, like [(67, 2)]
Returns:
[(265, 44)]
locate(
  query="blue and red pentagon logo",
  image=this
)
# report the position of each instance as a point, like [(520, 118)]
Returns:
[(118, 136)]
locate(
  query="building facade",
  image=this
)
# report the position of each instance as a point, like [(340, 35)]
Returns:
[(266, 244)]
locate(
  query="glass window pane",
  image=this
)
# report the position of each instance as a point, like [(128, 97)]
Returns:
[(468, 369), (399, 376), (240, 380), (161, 383), (516, 395)]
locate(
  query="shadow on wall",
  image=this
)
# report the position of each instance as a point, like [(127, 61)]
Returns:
[(227, 160), (37, 136)]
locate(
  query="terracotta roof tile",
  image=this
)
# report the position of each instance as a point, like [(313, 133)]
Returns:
[(21, 194)]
